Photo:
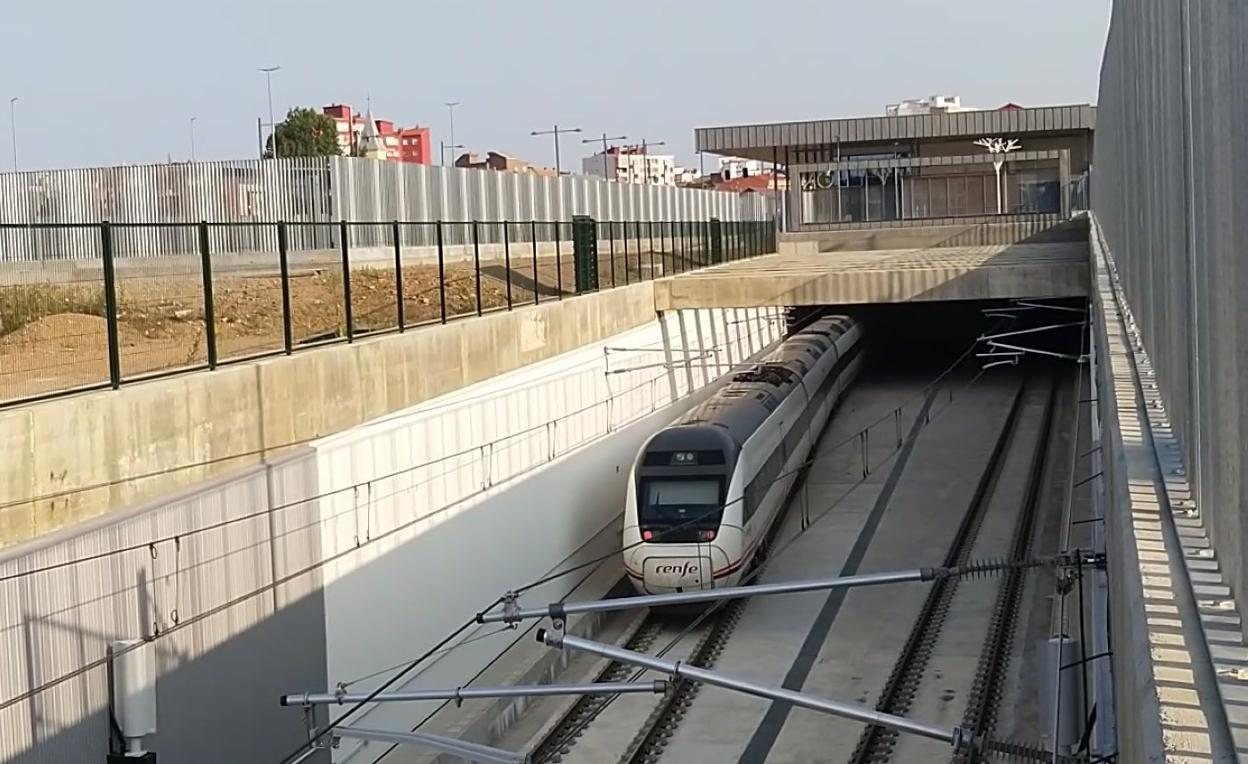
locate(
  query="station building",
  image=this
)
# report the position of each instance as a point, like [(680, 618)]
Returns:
[(966, 166)]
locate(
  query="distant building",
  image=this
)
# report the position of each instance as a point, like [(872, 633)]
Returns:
[(736, 167), (632, 164), (391, 144), (500, 162), (937, 104), (687, 176)]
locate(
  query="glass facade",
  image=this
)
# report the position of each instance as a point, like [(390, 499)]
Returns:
[(905, 193)]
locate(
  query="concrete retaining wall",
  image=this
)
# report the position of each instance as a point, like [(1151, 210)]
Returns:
[(301, 572), (71, 459)]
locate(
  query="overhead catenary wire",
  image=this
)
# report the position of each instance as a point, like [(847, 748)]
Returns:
[(598, 562), (758, 570)]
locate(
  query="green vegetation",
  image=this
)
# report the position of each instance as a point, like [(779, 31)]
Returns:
[(304, 133)]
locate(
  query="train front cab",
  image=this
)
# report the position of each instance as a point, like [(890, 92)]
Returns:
[(681, 485)]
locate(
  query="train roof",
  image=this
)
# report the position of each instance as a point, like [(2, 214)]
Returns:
[(742, 405)]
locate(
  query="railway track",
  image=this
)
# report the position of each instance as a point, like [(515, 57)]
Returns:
[(876, 745)]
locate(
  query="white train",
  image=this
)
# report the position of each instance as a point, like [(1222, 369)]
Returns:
[(705, 490)]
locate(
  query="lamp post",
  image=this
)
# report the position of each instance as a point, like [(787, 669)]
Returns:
[(193, 138), (450, 107), (556, 132), (442, 147), (268, 76), (998, 148), (604, 140), (13, 128), (645, 145)]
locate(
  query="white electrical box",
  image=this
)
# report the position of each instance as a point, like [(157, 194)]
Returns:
[(134, 687)]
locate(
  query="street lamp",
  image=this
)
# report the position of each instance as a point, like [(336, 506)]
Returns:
[(998, 148), (450, 106), (268, 76), (442, 147), (556, 133), (645, 146), (13, 128), (193, 138), (605, 149)]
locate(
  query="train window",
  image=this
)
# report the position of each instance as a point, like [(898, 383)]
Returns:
[(673, 502)]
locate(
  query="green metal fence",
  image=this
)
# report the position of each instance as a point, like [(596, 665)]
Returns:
[(71, 326)]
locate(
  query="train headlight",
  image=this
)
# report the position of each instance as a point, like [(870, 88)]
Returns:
[(707, 535), (647, 535)]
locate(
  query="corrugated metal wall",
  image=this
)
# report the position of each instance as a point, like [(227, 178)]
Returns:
[(310, 190), (1171, 192)]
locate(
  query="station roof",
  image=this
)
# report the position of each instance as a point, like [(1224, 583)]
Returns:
[(758, 141)]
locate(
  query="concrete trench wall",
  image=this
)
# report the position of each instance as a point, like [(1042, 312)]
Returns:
[(75, 458), (343, 556)]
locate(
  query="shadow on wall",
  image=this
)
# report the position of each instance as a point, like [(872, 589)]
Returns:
[(973, 235), (224, 634), (278, 579)]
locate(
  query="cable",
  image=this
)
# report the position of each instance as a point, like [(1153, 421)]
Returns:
[(759, 569)]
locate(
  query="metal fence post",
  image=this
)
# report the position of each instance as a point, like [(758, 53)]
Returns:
[(396, 232), (610, 247), (210, 319), (558, 263), (507, 259), (537, 283), (441, 271), (650, 226), (343, 234), (476, 261), (110, 304), (717, 240), (283, 261), (623, 225)]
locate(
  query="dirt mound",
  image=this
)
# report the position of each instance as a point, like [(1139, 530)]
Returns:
[(68, 331)]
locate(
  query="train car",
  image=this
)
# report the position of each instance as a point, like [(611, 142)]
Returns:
[(705, 490)]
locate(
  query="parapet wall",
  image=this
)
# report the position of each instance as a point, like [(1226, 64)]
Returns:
[(74, 458)]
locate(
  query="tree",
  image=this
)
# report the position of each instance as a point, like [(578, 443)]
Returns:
[(304, 133)]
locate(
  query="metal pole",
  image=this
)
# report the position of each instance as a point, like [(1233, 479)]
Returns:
[(210, 321), (537, 297), (346, 278), (441, 271), (110, 304), (396, 233), (507, 259), (855, 711), (193, 138), (560, 610), (476, 261), (450, 107), (283, 260), (656, 686), (558, 168), (268, 77), (13, 127)]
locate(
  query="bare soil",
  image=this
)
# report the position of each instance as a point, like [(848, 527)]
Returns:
[(54, 337)]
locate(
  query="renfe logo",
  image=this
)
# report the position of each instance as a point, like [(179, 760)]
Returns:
[(682, 569)]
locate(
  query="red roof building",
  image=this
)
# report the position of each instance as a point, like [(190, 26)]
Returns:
[(408, 144)]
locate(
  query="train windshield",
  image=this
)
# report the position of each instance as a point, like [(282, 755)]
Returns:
[(682, 501)]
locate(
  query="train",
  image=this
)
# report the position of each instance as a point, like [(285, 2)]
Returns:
[(705, 490)]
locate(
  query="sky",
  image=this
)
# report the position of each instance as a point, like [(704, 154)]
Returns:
[(101, 83)]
